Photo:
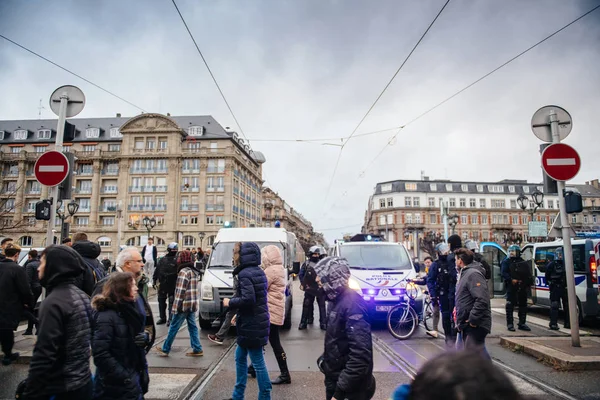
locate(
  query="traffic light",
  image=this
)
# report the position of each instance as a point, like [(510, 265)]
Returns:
[(42, 210), (65, 188)]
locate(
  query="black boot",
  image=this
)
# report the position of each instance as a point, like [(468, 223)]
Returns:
[(510, 324), (252, 371), (310, 321), (284, 378), (522, 317), (554, 327), (302, 325)]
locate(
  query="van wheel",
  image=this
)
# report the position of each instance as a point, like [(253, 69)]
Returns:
[(205, 324), (579, 312)]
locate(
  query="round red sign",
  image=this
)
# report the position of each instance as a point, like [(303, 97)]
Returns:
[(51, 168), (560, 161)]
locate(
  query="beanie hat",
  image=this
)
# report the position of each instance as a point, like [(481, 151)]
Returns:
[(455, 242)]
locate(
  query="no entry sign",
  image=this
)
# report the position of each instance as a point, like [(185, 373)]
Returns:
[(51, 168), (560, 161)]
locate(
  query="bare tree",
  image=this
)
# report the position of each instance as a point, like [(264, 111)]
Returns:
[(8, 207), (428, 242)]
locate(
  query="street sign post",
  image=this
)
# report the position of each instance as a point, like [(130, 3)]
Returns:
[(538, 229), (66, 102), (560, 162), (51, 168), (552, 124)]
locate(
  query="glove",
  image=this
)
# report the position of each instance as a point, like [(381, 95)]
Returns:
[(141, 339)]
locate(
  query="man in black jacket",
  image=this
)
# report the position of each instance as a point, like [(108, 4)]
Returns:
[(556, 279), (3, 244), (90, 252), (165, 277), (31, 270), (14, 296), (60, 365), (473, 310), (348, 358), (308, 284)]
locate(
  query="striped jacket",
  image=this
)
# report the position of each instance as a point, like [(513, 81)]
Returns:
[(186, 291)]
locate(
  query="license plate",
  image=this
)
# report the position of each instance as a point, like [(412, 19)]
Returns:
[(383, 308)]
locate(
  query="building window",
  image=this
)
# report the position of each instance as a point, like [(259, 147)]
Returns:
[(44, 134), (433, 187), (194, 220), (108, 221), (26, 241), (39, 149), (473, 219), (1, 135), (432, 219), (407, 202), (20, 134), (594, 218), (480, 188), (463, 203), (114, 147), (114, 133), (219, 220), (515, 220), (92, 133), (82, 221), (497, 203), (390, 219), (574, 218), (195, 130), (482, 203), (139, 144), (210, 220), (431, 202), (184, 219), (464, 188), (417, 218), (150, 144), (386, 188), (410, 187), (381, 203), (15, 150), (214, 147), (496, 188), (525, 189), (464, 219), (416, 202), (104, 241), (189, 240), (484, 219), (452, 202), (408, 218), (390, 202), (551, 204), (162, 143), (511, 189), (89, 147), (382, 220), (513, 204), (448, 187)]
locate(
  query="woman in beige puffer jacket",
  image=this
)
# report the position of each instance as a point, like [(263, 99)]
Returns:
[(272, 264)]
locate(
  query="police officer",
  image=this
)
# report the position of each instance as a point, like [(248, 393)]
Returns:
[(311, 290), (517, 276), (441, 283), (556, 278), (165, 277)]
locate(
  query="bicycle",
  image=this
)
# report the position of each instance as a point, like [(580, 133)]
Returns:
[(403, 319)]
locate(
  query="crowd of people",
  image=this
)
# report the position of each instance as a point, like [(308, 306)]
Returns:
[(88, 313)]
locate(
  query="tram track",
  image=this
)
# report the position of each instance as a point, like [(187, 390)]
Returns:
[(200, 385)]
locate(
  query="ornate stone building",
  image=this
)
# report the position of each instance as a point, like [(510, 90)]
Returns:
[(188, 173)]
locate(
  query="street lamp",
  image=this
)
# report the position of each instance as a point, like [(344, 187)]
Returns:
[(72, 208), (537, 199), (149, 223), (453, 221), (201, 236)]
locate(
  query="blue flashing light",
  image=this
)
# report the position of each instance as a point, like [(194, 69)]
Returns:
[(277, 224), (369, 237), (588, 235), (227, 224)]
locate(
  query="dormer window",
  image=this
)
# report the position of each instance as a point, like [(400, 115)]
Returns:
[(20, 134), (92, 133), (448, 187), (511, 189), (114, 133), (433, 187), (44, 134), (195, 130), (525, 189), (480, 188), (464, 188), (1, 135)]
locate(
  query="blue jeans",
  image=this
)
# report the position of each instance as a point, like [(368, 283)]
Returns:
[(192, 329), (241, 371)]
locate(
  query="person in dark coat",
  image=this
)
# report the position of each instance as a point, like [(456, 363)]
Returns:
[(164, 281), (473, 309), (517, 276), (31, 270), (94, 272), (60, 365), (347, 361), (15, 295), (308, 284), (556, 279), (121, 367), (441, 283), (252, 320), (3, 244)]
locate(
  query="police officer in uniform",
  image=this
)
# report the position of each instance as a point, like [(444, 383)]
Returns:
[(516, 273), (556, 278), (311, 290), (441, 283)]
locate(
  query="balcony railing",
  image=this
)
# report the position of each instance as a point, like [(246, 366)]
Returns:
[(29, 192), (215, 207), (107, 208), (83, 190), (28, 210), (190, 188), (110, 171), (109, 189), (190, 170), (86, 172), (160, 207), (235, 209), (149, 170), (189, 207), (11, 174), (84, 209)]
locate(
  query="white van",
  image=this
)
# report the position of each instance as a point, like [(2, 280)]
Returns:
[(379, 271), (217, 281), (586, 276)]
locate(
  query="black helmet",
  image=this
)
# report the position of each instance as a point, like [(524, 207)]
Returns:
[(455, 242)]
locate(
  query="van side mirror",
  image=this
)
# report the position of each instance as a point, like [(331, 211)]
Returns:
[(296, 267)]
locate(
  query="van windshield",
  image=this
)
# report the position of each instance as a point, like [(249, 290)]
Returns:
[(222, 255), (374, 256)]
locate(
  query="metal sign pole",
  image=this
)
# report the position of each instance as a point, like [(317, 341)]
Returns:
[(444, 211), (568, 249), (53, 192)]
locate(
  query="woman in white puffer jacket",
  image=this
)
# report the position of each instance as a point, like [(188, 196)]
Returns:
[(272, 264)]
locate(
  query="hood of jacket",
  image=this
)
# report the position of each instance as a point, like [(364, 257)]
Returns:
[(455, 242), (87, 249), (63, 264), (249, 254), (271, 255), (334, 273)]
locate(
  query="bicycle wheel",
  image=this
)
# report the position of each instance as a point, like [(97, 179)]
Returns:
[(402, 320), (428, 316)]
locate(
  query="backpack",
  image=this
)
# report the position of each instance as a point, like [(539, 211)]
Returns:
[(97, 270), (168, 267)]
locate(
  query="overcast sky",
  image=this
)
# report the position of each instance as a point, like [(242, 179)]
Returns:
[(311, 69)]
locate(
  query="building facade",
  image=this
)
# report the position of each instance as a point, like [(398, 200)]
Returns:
[(188, 173), (277, 209), (409, 210)]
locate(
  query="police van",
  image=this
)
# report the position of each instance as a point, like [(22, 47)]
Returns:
[(217, 281), (379, 271), (586, 275)]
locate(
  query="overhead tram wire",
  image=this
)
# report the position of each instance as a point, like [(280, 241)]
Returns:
[(71, 72), (381, 94), (210, 72), (339, 228), (476, 82), (341, 138)]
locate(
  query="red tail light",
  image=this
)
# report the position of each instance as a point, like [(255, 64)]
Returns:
[(594, 269)]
